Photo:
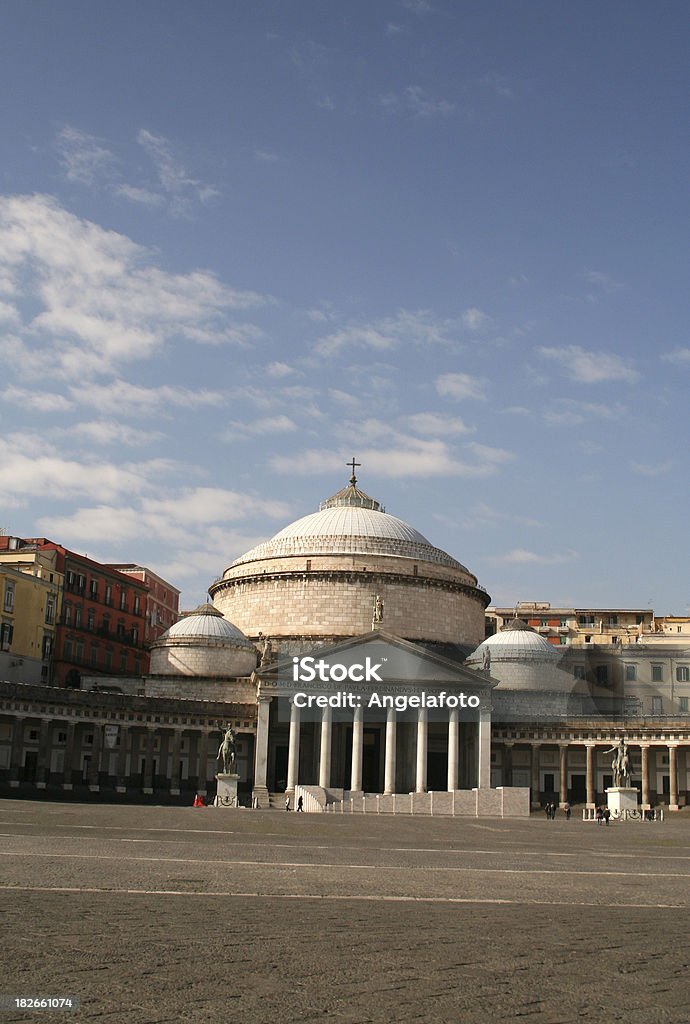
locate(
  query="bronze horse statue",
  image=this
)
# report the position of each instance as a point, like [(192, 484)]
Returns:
[(227, 751)]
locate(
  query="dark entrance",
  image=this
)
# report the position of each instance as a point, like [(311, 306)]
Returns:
[(280, 774), (578, 791), (30, 765), (436, 771), (371, 760)]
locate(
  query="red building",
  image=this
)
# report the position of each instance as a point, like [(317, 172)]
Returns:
[(162, 599), (101, 627)]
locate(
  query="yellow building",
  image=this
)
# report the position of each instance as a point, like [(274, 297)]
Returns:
[(29, 597)]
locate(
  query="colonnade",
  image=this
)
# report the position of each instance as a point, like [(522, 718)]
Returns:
[(591, 768), (390, 733), (134, 744)]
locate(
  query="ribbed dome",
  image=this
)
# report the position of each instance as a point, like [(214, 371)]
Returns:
[(349, 530), (517, 642), (206, 625)]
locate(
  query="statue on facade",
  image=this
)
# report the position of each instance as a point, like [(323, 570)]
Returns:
[(265, 651), (486, 659), (227, 751), (378, 609), (621, 766)]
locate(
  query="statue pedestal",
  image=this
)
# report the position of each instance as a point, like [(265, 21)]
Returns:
[(226, 794), (621, 798)]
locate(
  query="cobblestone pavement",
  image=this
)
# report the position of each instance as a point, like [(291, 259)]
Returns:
[(214, 915)]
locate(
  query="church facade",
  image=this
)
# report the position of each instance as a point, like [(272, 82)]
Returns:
[(349, 655)]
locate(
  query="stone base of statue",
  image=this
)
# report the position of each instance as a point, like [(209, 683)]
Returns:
[(621, 798), (226, 794)]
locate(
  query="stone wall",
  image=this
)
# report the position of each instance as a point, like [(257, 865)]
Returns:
[(341, 605), (190, 658)]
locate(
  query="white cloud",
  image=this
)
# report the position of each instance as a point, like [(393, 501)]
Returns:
[(265, 156), (265, 425), (475, 320), (521, 556), (174, 180), (591, 367), (137, 194), (107, 432), (101, 299), (278, 370), (407, 327), (416, 102), (601, 280), (652, 468), (679, 356), (482, 514), (134, 399), (411, 457), (566, 412), (39, 401), (459, 386), (54, 476), (84, 158), (434, 423), (9, 314)]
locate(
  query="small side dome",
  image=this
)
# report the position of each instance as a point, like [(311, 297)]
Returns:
[(203, 644), (515, 642)]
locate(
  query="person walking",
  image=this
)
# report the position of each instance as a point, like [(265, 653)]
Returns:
[(300, 803)]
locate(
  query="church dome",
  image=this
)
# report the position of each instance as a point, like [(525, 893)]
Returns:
[(349, 529), (515, 642), (206, 623), (203, 644), (319, 579)]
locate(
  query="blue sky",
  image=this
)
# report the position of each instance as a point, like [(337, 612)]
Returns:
[(241, 243)]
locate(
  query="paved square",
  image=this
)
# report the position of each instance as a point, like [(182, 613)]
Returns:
[(165, 914)]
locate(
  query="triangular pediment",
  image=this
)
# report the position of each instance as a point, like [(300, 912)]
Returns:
[(401, 662)]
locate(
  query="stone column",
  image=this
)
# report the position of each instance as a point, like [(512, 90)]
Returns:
[(422, 748), (357, 750), (563, 775), (260, 790), (644, 747), (591, 787), (325, 748), (17, 751), (534, 775), (148, 756), (68, 761), (484, 728), (293, 749), (453, 749), (508, 762), (391, 751), (44, 752), (673, 776), (95, 757), (175, 780)]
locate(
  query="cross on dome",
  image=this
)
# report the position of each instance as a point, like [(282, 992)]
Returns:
[(353, 465)]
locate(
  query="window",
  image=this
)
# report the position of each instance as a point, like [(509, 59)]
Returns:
[(588, 639), (123, 661), (135, 635), (67, 614), (108, 658), (50, 609), (585, 620), (108, 594), (564, 623), (120, 628), (94, 654), (6, 632), (123, 601), (81, 581), (8, 604), (90, 619), (683, 673), (137, 604), (69, 580), (579, 671), (563, 640), (602, 672), (68, 649), (630, 673), (77, 618), (683, 703), (611, 620), (657, 673), (93, 589), (657, 705), (47, 645), (79, 651)]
